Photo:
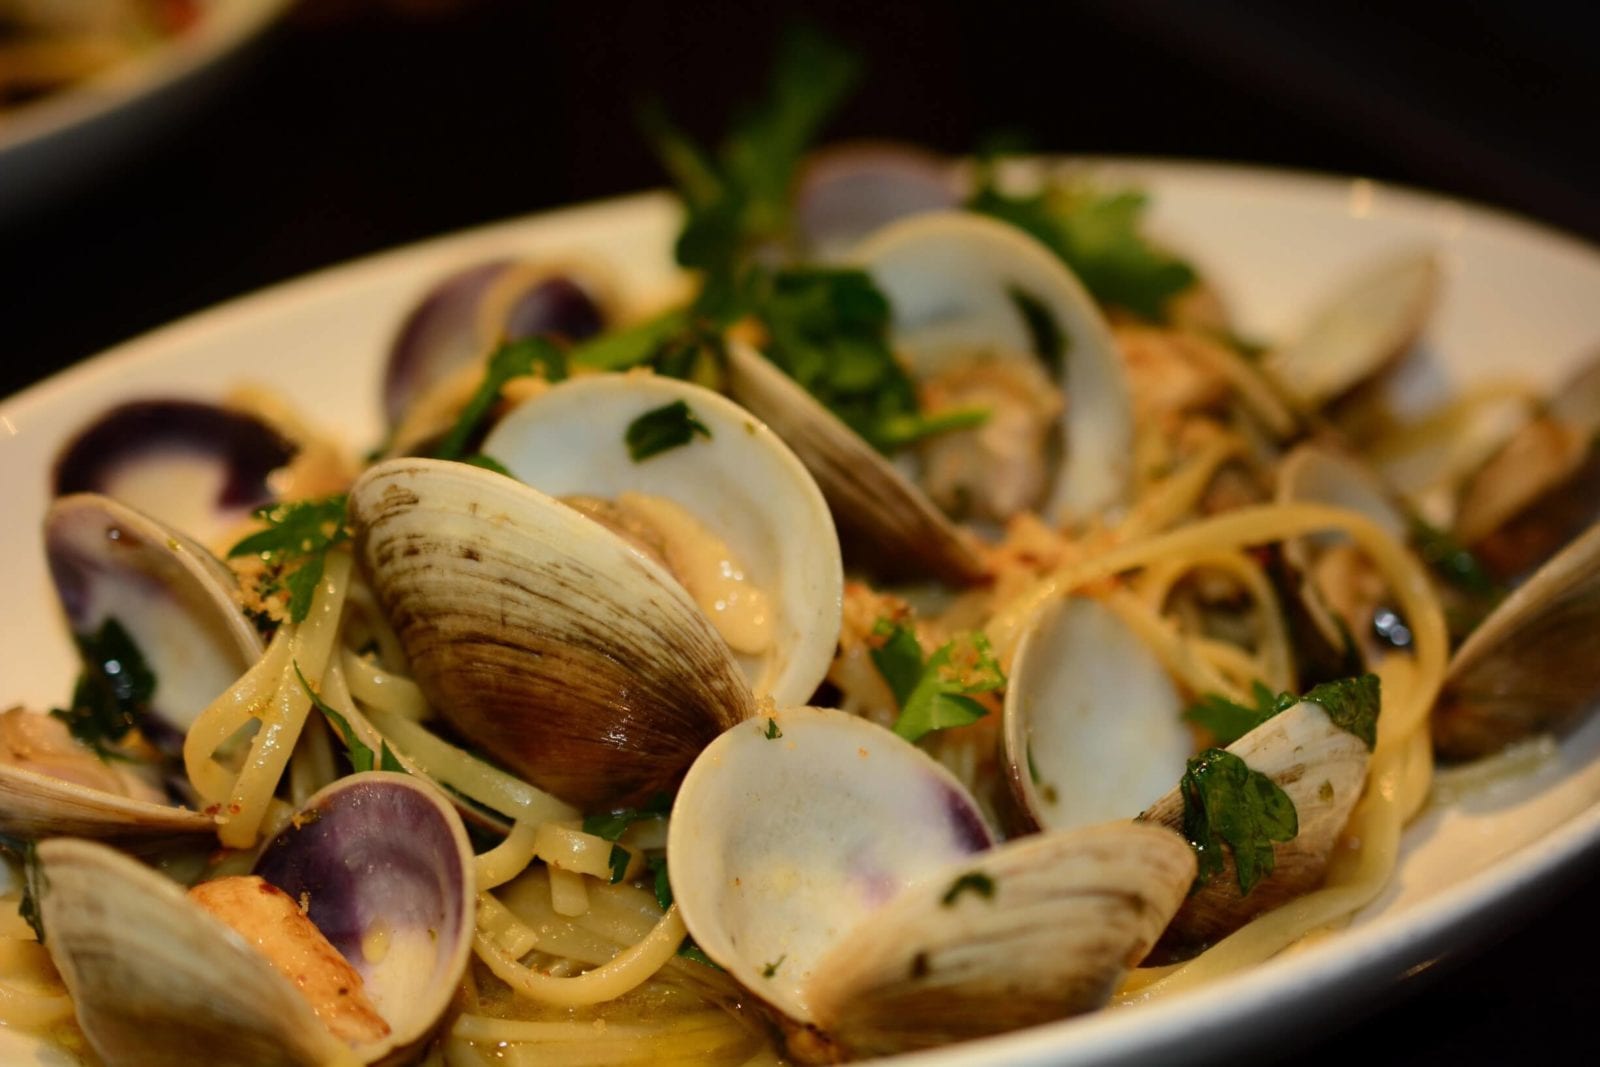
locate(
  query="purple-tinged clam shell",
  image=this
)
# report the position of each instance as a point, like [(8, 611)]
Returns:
[(172, 598), (470, 311), (383, 863), (192, 465), (847, 191)]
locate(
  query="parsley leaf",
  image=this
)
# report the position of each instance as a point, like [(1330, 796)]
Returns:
[(488, 463), (773, 730), (663, 883), (514, 359), (612, 825), (1352, 705), (1227, 721), (1224, 801), (936, 694), (361, 757), (691, 951), (972, 882), (738, 198), (24, 854), (771, 969), (663, 429), (295, 546), (828, 329), (1096, 233), (1049, 342), (619, 860), (112, 695)]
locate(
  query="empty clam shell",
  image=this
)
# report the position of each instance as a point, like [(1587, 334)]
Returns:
[(737, 481), (1092, 724), (1530, 665), (541, 636), (1372, 319)]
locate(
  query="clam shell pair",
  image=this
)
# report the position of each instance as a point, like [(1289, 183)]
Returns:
[(383, 863)]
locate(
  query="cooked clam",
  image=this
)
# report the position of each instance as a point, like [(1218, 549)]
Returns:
[(1530, 665), (385, 869), (848, 880), (731, 514), (542, 636), (1322, 767)]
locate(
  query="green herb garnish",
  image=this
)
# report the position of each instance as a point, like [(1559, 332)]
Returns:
[(611, 825), (691, 951), (619, 860), (737, 199), (771, 969), (1228, 721), (1098, 235), (971, 882), (1224, 801), (663, 429), (295, 547), (515, 359), (662, 882), (361, 757), (25, 855), (113, 691), (936, 694), (488, 463), (773, 731), (1352, 705), (829, 331), (1049, 342)]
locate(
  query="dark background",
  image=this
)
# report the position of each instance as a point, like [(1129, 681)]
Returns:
[(359, 125)]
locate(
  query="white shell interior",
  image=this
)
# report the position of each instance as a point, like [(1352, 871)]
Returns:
[(742, 483), (1092, 722), (949, 277), (780, 846)]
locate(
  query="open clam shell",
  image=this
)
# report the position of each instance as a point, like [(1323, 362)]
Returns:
[(847, 879), (956, 282), (1092, 724), (466, 314), (156, 979), (541, 636), (194, 466), (739, 482), (1323, 769), (846, 191), (1373, 318), (173, 598), (386, 868), (1531, 664)]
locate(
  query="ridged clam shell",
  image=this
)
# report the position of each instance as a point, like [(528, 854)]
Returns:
[(1044, 928), (742, 483), (1323, 769), (541, 636)]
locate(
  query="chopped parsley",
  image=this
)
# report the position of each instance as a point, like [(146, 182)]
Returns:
[(771, 969), (828, 329), (113, 691), (1225, 802), (611, 825), (737, 199), (514, 359), (1228, 721), (691, 951), (663, 429), (361, 757), (619, 860), (1049, 342), (1352, 704), (935, 694), (662, 881), (1097, 234), (773, 730), (971, 882), (25, 855), (294, 547), (488, 463)]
